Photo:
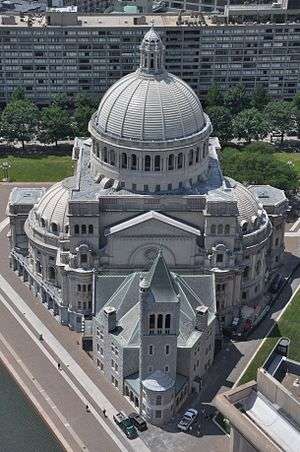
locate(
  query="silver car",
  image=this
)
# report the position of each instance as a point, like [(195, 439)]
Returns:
[(187, 419)]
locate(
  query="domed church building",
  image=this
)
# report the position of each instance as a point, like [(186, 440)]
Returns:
[(148, 197)]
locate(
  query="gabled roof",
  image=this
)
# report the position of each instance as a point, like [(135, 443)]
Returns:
[(159, 280), (151, 215)]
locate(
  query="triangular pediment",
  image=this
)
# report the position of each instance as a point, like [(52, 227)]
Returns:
[(150, 217)]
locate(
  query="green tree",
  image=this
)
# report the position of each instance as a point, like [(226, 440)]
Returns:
[(260, 98), (85, 100), (236, 99), (281, 116), (19, 121), (55, 125), (221, 119), (296, 103), (258, 168), (250, 125), (214, 97), (82, 116), (63, 101), (18, 94)]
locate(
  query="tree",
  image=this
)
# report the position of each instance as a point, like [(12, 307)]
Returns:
[(62, 100), (258, 168), (296, 103), (55, 125), (85, 100), (236, 99), (214, 97), (18, 94), (281, 116), (260, 97), (81, 118), (19, 121), (250, 125), (221, 119)]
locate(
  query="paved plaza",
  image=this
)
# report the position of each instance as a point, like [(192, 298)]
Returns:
[(78, 383)]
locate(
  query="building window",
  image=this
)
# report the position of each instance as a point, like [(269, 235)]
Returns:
[(197, 155), (133, 187), (277, 242), (227, 229), (146, 188), (83, 229), (167, 349), (157, 163), (79, 305), (54, 228), (159, 321), (43, 223), (246, 273), (258, 267), (105, 154), (168, 321), (89, 287), (169, 187), (171, 162), (166, 369), (158, 400), (150, 350), (151, 321), (180, 160), (84, 288), (78, 288), (150, 369), (51, 273), (112, 158), (83, 258), (220, 229), (191, 157), (147, 163), (244, 295), (124, 160), (158, 414), (157, 187), (213, 229), (220, 258), (133, 162), (76, 229), (91, 229)]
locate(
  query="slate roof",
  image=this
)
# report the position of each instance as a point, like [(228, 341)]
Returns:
[(122, 293)]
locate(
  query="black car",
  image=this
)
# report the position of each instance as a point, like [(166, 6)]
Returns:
[(138, 421)]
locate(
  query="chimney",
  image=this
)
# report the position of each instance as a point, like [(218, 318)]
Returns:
[(201, 318), (110, 314)]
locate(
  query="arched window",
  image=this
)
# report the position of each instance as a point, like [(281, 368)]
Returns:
[(168, 321), (112, 157), (83, 229), (180, 160), (123, 160), (54, 228), (244, 225), (220, 229), (159, 321), (51, 273), (151, 321), (197, 155), (227, 229), (38, 267), (105, 154), (171, 162), (258, 267), (133, 162), (66, 228), (147, 163), (91, 229), (191, 157), (43, 223), (76, 229), (157, 163), (203, 152), (213, 229), (246, 273)]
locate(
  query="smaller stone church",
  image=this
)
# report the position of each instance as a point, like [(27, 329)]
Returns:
[(154, 336)]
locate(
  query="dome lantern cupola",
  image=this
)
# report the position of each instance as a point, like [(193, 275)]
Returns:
[(152, 53)]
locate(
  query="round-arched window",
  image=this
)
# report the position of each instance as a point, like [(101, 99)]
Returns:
[(171, 162), (147, 163)]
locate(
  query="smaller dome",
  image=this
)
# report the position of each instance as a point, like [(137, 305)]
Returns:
[(158, 381), (247, 204), (52, 209)]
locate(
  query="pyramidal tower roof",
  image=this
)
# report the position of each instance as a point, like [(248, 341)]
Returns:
[(159, 281)]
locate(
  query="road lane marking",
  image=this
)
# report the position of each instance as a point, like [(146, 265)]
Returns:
[(295, 225), (64, 357), (4, 223)]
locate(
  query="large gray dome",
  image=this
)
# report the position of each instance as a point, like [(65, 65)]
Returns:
[(150, 104)]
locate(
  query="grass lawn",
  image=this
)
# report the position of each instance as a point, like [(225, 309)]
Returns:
[(38, 168), (288, 326), (290, 156)]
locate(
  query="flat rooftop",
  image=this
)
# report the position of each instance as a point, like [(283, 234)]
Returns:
[(291, 381), (21, 195)]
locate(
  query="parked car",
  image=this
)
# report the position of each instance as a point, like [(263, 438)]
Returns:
[(125, 424), (138, 421), (188, 419), (277, 283)]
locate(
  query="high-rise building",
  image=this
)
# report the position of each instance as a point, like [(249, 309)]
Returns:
[(72, 53)]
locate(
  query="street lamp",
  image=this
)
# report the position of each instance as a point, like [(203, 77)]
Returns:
[(5, 166)]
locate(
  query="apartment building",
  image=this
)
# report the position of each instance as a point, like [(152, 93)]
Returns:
[(72, 52)]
